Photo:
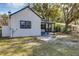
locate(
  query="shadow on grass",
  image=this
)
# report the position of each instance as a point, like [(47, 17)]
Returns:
[(46, 50), (18, 46), (55, 49)]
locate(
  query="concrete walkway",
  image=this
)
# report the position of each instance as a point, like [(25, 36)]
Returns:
[(58, 39), (46, 38), (51, 37)]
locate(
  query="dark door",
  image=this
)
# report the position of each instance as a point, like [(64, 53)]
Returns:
[(47, 27), (43, 27)]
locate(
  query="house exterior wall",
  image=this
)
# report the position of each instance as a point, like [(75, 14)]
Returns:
[(5, 31), (27, 15)]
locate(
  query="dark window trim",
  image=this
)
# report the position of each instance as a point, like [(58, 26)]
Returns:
[(25, 25)]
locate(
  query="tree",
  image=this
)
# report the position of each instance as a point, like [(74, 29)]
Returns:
[(54, 13), (41, 9), (5, 19), (70, 13), (47, 11)]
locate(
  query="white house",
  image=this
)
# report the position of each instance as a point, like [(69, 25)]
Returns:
[(24, 22)]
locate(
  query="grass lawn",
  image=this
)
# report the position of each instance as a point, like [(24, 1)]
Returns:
[(30, 46), (17, 46), (66, 46)]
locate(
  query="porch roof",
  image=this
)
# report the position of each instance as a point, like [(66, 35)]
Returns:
[(49, 22)]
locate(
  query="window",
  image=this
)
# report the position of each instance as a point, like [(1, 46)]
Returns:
[(43, 26), (25, 24)]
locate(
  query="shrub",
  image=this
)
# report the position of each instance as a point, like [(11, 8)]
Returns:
[(68, 30), (57, 27)]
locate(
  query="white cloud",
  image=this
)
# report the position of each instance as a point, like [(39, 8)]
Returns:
[(15, 5), (3, 12)]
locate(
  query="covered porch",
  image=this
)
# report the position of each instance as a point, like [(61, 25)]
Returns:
[(46, 27)]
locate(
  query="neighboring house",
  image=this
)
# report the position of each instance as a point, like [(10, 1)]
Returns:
[(24, 22)]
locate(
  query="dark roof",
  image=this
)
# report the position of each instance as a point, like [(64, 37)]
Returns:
[(25, 8), (43, 21)]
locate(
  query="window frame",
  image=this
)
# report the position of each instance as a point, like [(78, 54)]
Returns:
[(25, 25)]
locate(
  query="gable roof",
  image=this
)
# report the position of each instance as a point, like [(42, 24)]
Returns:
[(23, 9)]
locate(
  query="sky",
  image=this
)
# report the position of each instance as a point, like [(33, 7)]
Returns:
[(13, 7)]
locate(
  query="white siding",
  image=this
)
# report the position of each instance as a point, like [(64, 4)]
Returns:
[(28, 15), (5, 31)]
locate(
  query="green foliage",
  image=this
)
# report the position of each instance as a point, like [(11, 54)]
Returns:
[(57, 27), (67, 30), (70, 14), (54, 13), (47, 11), (5, 19)]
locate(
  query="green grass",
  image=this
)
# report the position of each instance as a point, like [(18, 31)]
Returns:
[(30, 46), (58, 47), (17, 46)]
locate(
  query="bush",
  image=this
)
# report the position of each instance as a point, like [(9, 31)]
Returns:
[(57, 27), (68, 30)]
